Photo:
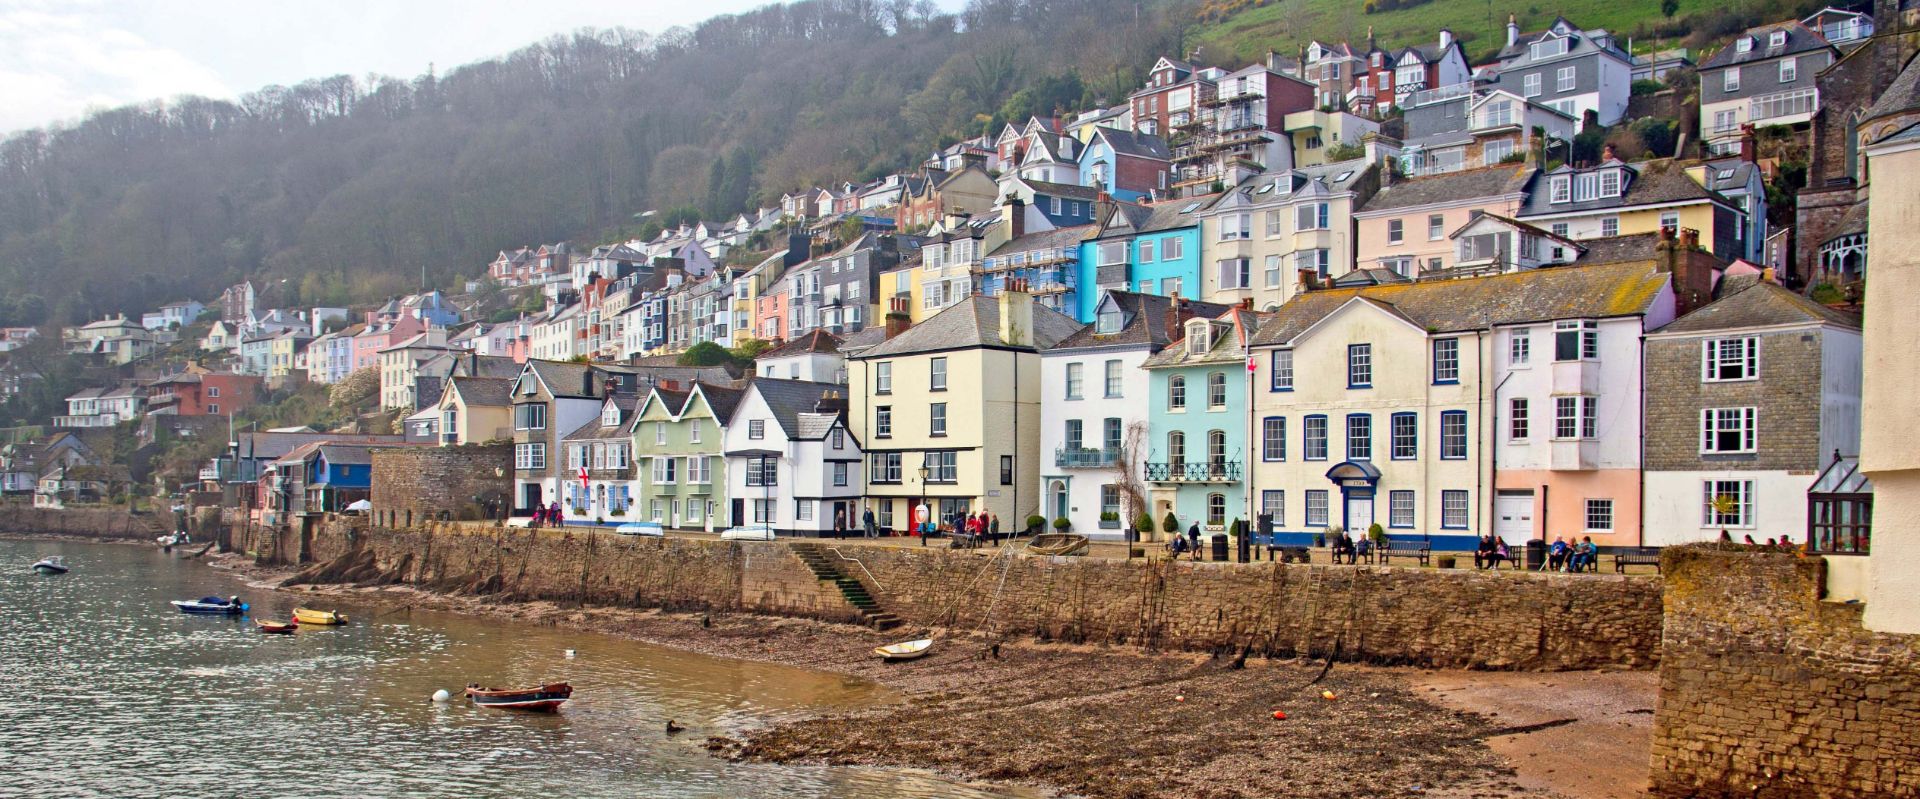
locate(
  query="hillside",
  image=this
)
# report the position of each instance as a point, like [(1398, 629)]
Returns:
[(347, 189), (1237, 30)]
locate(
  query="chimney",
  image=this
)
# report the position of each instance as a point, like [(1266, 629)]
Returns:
[(1103, 206), (1513, 31), (1273, 60), (1309, 280), (1177, 317), (830, 402), (1016, 218), (1749, 149), (1446, 38), (1016, 315), (898, 319)]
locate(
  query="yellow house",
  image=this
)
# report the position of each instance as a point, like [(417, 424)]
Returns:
[(1621, 199), (283, 354), (475, 410), (949, 410)]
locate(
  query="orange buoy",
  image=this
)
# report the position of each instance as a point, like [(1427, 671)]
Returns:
[(1329, 695), (1179, 699), (1280, 715)]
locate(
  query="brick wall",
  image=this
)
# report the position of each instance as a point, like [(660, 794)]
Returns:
[(415, 484), (1766, 691), (1787, 396)]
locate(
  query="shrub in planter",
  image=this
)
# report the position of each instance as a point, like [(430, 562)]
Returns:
[(1035, 522), (1444, 561), (1376, 533), (1062, 524), (1170, 524), (1143, 524), (1109, 516)]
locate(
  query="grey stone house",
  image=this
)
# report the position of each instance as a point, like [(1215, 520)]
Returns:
[(1765, 76), (1748, 398), (1571, 70)]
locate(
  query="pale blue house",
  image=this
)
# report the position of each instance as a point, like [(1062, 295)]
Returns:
[(1197, 460)]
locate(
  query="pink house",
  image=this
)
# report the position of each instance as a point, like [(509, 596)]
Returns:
[(368, 344), (1405, 226)]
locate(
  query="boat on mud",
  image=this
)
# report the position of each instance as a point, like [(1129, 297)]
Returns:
[(211, 606), (905, 650), (281, 627), (544, 699), (322, 618), (51, 565), (1059, 544)]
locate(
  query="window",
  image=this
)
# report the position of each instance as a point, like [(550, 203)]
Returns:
[(1109, 500), (1146, 250), (1517, 419), (530, 416), (1610, 183), (1610, 226), (1560, 189), (1177, 393), (1314, 260), (1400, 509), (1575, 340), (1075, 380), (1314, 445), (1170, 249), (1530, 85), (1520, 347), (883, 377), (1282, 370), (659, 433), (1216, 390), (1171, 286), (1359, 437), (883, 421), (943, 466), (839, 438), (1453, 510), (693, 431), (883, 467), (762, 511), (1006, 470), (1777, 39), (1273, 271), (1575, 417), (699, 470), (530, 457), (213, 408), (1726, 121), (1216, 510), (1110, 429), (756, 429), (1113, 379), (1359, 366), (1453, 435), (1729, 503), (1394, 231), (664, 471), (1317, 508), (1730, 359), (1559, 229), (1275, 223), (1436, 227), (1728, 430), (1312, 216), (1599, 516), (1670, 221), (1273, 438), (1563, 79), (939, 375), (1235, 273), (213, 392), (1236, 226), (1112, 253), (1108, 321), (1406, 436), (1730, 79), (1176, 448), (937, 419), (1273, 505), (1446, 360)]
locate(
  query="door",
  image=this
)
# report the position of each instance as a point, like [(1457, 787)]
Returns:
[(1059, 501), (739, 507), (1513, 518), (1359, 513), (529, 497), (675, 507)]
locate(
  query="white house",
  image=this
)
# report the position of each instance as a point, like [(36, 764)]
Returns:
[(172, 315), (814, 357), (788, 441)]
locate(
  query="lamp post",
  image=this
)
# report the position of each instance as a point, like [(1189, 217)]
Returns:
[(925, 473)]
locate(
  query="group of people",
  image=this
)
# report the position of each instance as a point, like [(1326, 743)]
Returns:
[(1350, 549), (548, 516), (1782, 544), (1491, 552), (1572, 557)]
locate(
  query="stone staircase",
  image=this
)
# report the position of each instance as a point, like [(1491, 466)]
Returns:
[(826, 566)]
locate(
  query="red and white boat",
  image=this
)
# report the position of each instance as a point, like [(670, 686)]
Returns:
[(544, 699)]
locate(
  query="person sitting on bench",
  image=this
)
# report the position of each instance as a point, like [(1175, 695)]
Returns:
[(1557, 554), (1585, 555), (1486, 555), (1342, 547), (1362, 550)]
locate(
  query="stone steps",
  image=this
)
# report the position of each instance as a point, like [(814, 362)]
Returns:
[(826, 567)]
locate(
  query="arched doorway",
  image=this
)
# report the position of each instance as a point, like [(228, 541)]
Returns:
[(1057, 492)]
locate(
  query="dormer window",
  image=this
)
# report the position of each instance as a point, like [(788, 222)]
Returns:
[(1610, 183), (1549, 47), (1777, 39), (1108, 321), (610, 416), (1743, 44), (1199, 338), (1561, 189)]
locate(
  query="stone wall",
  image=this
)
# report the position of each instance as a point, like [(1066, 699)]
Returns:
[(1767, 691), (1787, 397), (417, 484), (109, 523), (1455, 618)]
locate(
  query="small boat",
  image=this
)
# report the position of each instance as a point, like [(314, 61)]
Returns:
[(211, 606), (1058, 544), (318, 617), (905, 650), (650, 529), (282, 627), (51, 565), (544, 699), (170, 540)]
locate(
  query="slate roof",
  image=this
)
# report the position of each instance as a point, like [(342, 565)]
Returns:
[(790, 400), (1227, 347), (1127, 142), (593, 430), (1476, 303), (1144, 322), (564, 378), (721, 399), (260, 445), (1045, 239), (1066, 190), (1760, 305), (816, 341), (1800, 39), (674, 401), (1491, 181), (1648, 183), (973, 322), (1616, 249), (866, 338), (1903, 94), (1133, 218), (494, 392)]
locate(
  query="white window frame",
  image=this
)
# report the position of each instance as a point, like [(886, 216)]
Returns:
[(1600, 511), (1742, 424), (1740, 354), (1741, 515)]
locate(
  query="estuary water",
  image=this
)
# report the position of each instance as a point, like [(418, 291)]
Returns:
[(111, 692)]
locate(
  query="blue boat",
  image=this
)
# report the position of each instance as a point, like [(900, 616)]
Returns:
[(211, 606)]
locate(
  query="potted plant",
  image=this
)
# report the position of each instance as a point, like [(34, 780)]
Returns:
[(1143, 525), (1061, 525), (1035, 523), (1109, 520), (1170, 524), (1376, 534), (1444, 561)]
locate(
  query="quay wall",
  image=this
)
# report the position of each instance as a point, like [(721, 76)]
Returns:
[(1766, 690), (1442, 618), (104, 523)]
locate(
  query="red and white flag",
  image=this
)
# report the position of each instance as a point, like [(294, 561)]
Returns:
[(583, 477)]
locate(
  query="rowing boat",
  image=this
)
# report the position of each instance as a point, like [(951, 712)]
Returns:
[(282, 627), (321, 618), (905, 650), (545, 699), (1059, 544)]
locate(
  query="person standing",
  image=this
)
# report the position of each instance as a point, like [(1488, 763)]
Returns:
[(553, 514), (839, 522), (1193, 539), (867, 523)]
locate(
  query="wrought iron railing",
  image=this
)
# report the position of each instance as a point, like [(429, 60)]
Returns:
[(1193, 472), (1083, 458)]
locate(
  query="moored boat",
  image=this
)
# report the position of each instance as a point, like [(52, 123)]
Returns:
[(905, 650), (1059, 544), (318, 617), (544, 699), (282, 627), (211, 606), (51, 565)]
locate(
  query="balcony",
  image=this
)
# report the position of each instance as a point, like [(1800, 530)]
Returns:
[(86, 420), (699, 488), (1083, 458), (1440, 94), (1193, 472), (210, 473)]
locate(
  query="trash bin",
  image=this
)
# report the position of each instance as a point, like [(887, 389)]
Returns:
[(1220, 547), (1536, 554)]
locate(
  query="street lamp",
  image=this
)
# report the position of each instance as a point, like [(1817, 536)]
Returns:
[(925, 472)]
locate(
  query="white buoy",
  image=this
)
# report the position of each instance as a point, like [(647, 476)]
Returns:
[(442, 696), (569, 653)]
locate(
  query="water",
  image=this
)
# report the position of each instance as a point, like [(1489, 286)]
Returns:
[(116, 694)]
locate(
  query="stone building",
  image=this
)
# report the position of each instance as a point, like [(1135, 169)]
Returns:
[(1747, 399)]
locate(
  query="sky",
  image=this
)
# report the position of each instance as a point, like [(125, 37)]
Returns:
[(65, 57)]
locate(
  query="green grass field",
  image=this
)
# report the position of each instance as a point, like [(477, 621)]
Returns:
[(1285, 25)]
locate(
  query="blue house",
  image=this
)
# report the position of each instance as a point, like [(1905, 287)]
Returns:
[(1149, 249), (1125, 164), (1197, 445), (1045, 206)]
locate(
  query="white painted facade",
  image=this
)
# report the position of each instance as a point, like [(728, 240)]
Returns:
[(813, 367), (814, 478), (1073, 477)]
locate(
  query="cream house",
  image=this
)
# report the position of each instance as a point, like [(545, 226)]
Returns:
[(475, 410), (1257, 239)]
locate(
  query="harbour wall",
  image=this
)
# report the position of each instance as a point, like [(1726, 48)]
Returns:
[(1442, 618), (1766, 690), (103, 523)]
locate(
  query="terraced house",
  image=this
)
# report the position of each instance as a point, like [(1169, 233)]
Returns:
[(679, 449), (599, 460), (550, 400), (1197, 448), (1259, 237), (790, 459), (1151, 249), (1615, 198)]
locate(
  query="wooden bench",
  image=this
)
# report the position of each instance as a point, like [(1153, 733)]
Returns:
[(1387, 551), (1636, 557)]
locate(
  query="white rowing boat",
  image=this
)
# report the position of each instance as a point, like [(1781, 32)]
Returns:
[(905, 650)]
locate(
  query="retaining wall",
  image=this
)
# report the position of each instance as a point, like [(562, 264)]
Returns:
[(109, 523)]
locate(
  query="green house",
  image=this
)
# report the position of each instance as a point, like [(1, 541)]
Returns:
[(680, 479)]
